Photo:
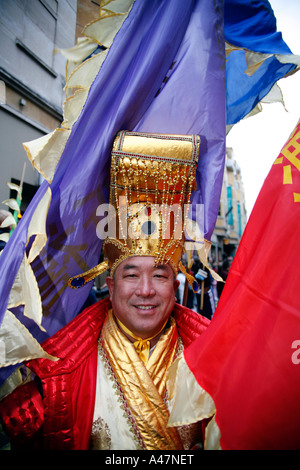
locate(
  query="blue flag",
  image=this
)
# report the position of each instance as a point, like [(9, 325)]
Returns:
[(250, 26)]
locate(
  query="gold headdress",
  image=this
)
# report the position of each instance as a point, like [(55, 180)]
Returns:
[(152, 177)]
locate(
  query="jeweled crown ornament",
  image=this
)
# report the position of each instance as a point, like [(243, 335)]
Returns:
[(151, 181)]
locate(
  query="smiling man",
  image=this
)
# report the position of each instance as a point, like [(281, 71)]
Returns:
[(145, 330), (108, 389), (142, 296)]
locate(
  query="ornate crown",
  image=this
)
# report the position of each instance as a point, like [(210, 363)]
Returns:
[(152, 177)]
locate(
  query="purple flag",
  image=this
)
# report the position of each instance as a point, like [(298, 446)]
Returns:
[(164, 73)]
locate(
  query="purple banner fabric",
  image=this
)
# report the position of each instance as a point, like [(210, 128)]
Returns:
[(193, 102), (164, 73)]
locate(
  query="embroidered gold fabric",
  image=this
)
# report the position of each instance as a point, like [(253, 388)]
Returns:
[(100, 437), (144, 386)]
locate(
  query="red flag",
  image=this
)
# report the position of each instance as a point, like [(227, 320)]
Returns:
[(248, 360)]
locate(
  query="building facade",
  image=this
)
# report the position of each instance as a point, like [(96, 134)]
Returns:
[(31, 82), (232, 217)]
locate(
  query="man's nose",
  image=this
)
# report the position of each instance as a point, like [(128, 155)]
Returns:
[(145, 287)]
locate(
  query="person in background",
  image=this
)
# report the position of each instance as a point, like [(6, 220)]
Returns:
[(223, 272), (206, 303)]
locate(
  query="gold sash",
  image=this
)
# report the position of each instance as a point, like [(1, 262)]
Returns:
[(144, 385)]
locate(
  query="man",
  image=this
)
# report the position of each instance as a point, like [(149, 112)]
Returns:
[(145, 336), (108, 388)]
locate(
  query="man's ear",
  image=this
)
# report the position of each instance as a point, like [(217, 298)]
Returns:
[(110, 286), (176, 284)]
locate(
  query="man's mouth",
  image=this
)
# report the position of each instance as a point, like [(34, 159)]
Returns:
[(145, 307)]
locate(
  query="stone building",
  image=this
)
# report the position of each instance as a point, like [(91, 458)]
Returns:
[(31, 82), (232, 217)]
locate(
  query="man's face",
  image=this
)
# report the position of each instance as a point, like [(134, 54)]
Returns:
[(142, 295)]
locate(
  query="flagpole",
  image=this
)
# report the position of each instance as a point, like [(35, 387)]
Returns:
[(22, 177), (185, 293)]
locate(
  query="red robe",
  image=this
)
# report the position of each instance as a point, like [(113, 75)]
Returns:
[(61, 418)]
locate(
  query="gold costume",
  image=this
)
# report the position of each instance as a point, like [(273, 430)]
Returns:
[(144, 386)]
